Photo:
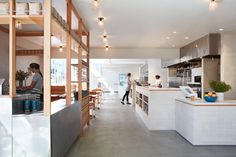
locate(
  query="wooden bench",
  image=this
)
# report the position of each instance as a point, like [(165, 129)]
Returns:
[(58, 92)]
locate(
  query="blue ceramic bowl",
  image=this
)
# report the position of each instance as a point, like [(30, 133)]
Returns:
[(210, 99)]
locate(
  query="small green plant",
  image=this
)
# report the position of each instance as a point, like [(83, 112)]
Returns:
[(219, 86)]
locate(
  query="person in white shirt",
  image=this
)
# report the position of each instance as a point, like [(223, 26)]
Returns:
[(127, 90), (158, 81)]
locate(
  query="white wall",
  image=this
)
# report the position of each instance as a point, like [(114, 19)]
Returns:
[(154, 68), (109, 74), (4, 55), (228, 62), (138, 52)]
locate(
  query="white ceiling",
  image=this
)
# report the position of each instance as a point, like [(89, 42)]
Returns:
[(119, 61), (147, 23)]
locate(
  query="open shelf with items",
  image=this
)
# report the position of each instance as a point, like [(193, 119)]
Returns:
[(142, 102), (55, 37)]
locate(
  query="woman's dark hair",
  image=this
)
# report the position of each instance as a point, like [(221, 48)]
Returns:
[(37, 67), (158, 76), (129, 74)]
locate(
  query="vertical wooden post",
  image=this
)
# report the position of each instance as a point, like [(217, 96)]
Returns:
[(47, 57), (88, 61), (68, 56), (12, 6), (80, 66), (12, 49)]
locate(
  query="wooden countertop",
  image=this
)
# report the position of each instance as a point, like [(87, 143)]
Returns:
[(202, 102), (157, 89)]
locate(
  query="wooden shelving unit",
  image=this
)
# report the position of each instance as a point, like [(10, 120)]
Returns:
[(142, 102), (53, 25)]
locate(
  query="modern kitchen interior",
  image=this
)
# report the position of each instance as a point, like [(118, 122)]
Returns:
[(65, 67)]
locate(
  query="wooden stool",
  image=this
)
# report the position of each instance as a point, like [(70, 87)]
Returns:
[(92, 107)]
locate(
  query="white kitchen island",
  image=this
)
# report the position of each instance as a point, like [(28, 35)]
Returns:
[(203, 123), (156, 106)]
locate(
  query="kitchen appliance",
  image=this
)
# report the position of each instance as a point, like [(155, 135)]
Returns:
[(197, 75), (197, 79)]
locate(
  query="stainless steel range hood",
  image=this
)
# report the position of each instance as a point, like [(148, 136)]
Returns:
[(207, 46)]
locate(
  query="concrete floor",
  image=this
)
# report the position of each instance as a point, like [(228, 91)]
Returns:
[(119, 132)]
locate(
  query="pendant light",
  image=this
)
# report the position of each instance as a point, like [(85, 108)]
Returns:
[(95, 3), (104, 38), (100, 21), (213, 5), (61, 48), (18, 25), (61, 45), (107, 48)]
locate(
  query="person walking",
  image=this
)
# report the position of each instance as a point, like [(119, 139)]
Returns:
[(127, 90)]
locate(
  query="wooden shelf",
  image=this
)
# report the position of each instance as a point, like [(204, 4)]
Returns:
[(74, 44), (29, 52), (85, 97), (84, 64), (74, 65), (141, 102), (74, 81), (84, 46), (75, 37), (30, 19), (4, 19), (85, 81), (57, 30), (52, 24)]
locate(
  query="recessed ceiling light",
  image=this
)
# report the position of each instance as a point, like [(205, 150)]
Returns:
[(167, 38), (174, 32), (221, 29), (100, 21), (173, 45), (186, 38)]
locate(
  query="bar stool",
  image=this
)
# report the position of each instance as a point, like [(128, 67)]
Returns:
[(96, 98), (99, 98), (92, 107)]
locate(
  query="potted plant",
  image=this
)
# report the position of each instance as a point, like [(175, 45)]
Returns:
[(21, 76), (220, 88)]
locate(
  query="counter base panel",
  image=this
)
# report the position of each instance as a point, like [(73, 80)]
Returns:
[(203, 125), (5, 127), (65, 129)]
